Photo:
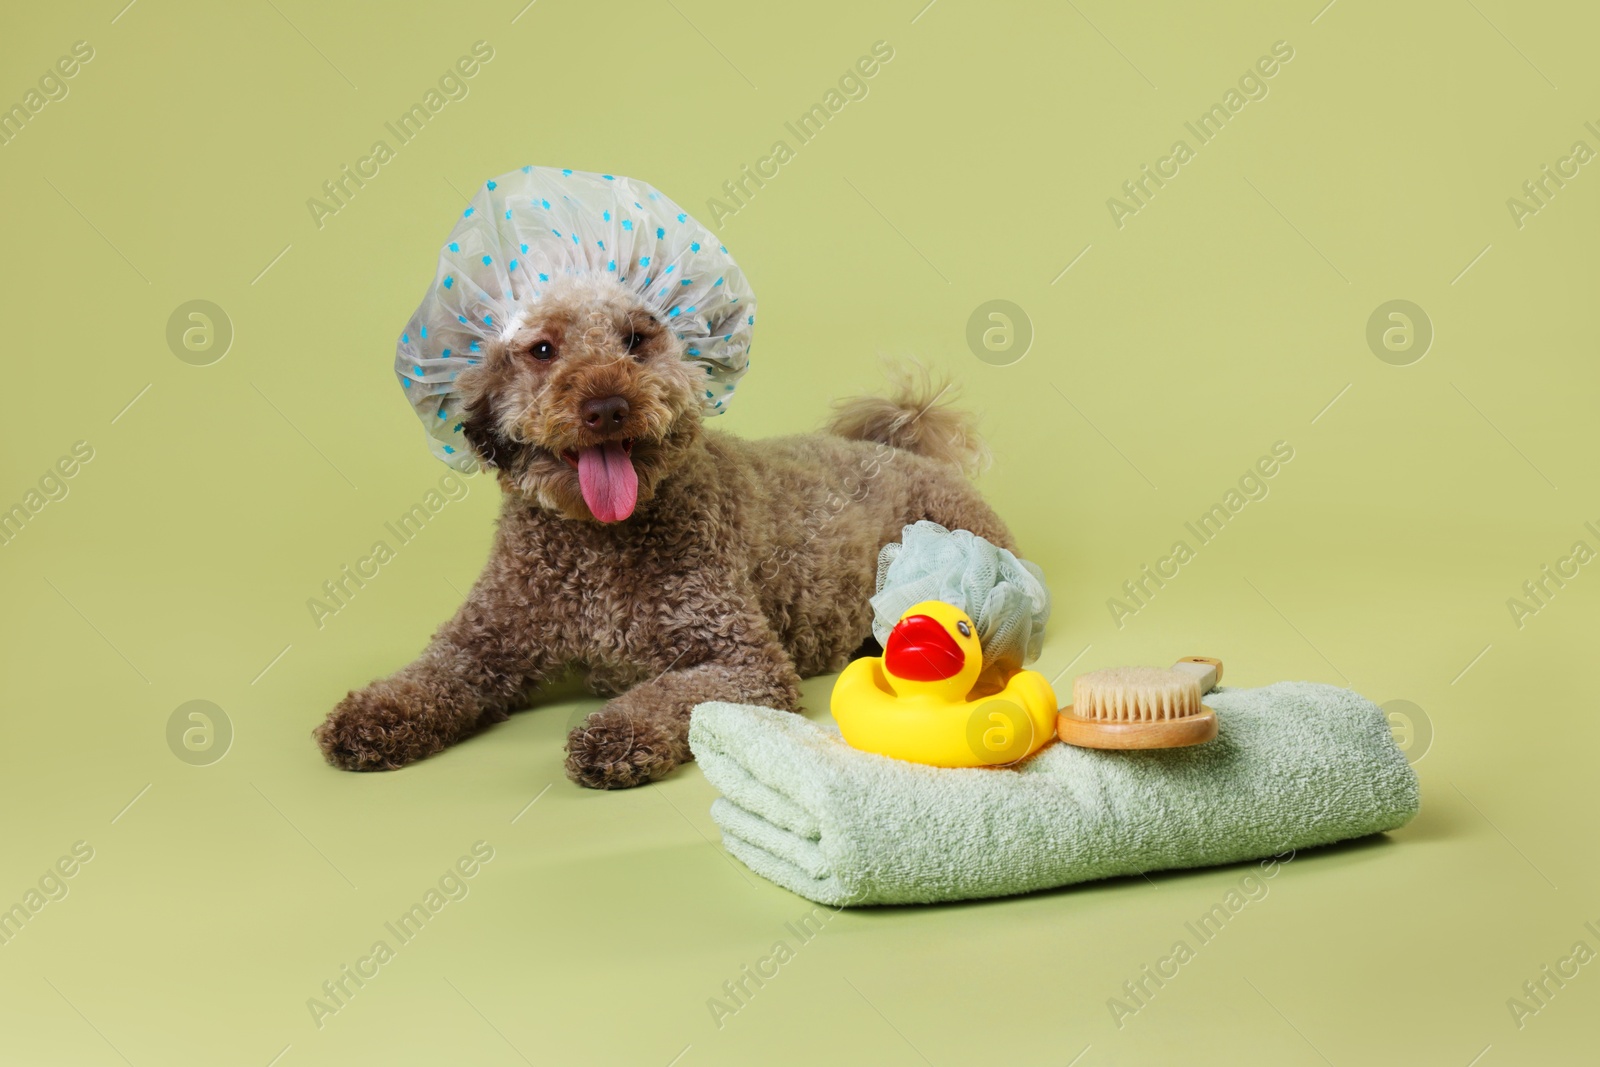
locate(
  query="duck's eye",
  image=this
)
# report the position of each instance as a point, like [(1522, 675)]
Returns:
[(965, 630), (544, 351)]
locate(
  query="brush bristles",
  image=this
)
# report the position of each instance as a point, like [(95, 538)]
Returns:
[(1135, 694)]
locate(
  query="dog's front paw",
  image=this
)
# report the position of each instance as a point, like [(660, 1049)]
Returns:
[(613, 750), (379, 728)]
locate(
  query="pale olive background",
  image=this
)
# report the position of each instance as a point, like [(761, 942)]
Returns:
[(1223, 317)]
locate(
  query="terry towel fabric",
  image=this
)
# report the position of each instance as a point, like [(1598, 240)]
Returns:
[(1294, 765)]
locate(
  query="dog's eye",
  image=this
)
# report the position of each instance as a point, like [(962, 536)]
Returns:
[(966, 631), (544, 351), (635, 341)]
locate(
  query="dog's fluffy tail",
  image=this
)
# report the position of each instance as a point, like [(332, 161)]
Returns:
[(916, 416)]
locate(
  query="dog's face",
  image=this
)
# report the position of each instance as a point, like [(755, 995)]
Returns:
[(584, 404)]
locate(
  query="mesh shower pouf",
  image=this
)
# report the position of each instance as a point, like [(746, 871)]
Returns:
[(1004, 596)]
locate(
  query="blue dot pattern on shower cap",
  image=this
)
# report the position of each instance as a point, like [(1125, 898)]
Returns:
[(536, 224)]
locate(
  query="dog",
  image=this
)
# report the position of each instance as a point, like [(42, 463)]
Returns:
[(671, 563)]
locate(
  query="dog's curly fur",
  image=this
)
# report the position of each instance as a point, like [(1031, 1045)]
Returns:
[(744, 566)]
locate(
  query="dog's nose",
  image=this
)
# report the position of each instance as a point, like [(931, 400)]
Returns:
[(604, 413)]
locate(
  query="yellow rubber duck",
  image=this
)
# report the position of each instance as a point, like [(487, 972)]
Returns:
[(917, 702)]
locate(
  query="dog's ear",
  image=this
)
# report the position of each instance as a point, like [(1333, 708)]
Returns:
[(494, 449)]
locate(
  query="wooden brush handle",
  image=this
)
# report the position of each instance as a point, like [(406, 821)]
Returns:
[(1206, 669)]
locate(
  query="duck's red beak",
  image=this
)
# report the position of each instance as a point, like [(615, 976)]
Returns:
[(920, 649)]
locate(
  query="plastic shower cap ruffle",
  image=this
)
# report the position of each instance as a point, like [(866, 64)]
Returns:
[(525, 230), (1003, 595)]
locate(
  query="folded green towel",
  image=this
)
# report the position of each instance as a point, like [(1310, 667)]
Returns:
[(1294, 765)]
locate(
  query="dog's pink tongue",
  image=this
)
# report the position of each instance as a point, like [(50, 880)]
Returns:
[(609, 483)]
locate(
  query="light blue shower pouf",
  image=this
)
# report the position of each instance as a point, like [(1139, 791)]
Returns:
[(1005, 597)]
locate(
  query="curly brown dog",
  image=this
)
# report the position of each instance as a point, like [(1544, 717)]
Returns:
[(727, 569)]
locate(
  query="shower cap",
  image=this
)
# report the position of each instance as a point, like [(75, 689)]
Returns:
[(525, 230), (1003, 595)]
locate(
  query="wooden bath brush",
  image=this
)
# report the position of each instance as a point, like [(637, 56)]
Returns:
[(1142, 707)]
